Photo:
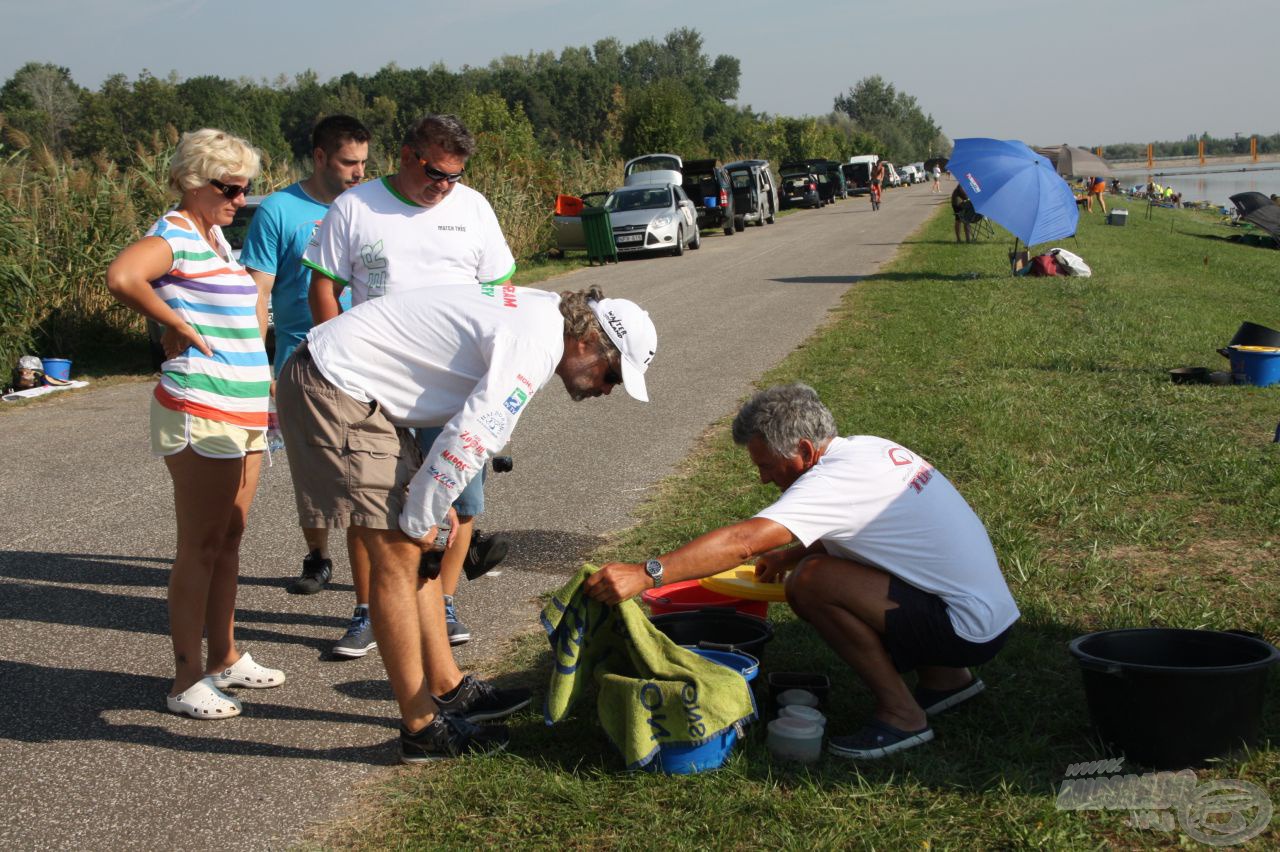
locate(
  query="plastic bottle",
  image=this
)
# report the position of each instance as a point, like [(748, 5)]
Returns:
[(275, 441)]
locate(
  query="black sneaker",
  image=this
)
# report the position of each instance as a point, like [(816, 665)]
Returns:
[(449, 736), (315, 573), (484, 554), (478, 700)]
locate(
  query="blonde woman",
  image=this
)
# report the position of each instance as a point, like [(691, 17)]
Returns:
[(209, 411)]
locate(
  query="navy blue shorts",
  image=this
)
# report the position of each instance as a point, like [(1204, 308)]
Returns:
[(919, 633)]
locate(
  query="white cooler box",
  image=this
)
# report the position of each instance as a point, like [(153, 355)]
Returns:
[(1117, 217)]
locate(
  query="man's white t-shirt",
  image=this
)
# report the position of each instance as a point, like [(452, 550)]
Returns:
[(376, 241), (463, 357), (875, 502)]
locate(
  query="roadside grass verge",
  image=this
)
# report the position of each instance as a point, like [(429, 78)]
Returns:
[(1113, 498)]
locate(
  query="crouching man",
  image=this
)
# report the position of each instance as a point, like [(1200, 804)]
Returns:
[(878, 551), (469, 359)]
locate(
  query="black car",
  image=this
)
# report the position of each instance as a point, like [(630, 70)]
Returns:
[(830, 182), (754, 195), (708, 186), (837, 177), (800, 186)]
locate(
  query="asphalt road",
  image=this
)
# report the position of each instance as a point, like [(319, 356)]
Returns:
[(91, 758)]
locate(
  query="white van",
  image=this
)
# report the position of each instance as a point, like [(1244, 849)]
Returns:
[(857, 173)]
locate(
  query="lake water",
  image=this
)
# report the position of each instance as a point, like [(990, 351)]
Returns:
[(1210, 183)]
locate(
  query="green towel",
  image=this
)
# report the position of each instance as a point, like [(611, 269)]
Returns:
[(652, 692)]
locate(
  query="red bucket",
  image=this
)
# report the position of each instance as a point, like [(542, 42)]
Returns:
[(688, 595)]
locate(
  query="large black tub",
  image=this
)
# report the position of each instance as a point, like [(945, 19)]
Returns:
[(1174, 698), (716, 630)]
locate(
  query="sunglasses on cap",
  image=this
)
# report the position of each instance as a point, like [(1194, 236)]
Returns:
[(435, 175), (230, 191)]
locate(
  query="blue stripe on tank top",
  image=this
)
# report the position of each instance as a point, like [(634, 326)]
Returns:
[(224, 310), (235, 359)]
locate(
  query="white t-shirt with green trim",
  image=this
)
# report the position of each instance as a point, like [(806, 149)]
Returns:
[(876, 502), (464, 357), (376, 242)]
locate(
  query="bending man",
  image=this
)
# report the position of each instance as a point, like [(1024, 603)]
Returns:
[(467, 359), (879, 553)]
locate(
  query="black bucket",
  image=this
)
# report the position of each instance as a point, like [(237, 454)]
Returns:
[(1171, 698), (1252, 334), (716, 630)]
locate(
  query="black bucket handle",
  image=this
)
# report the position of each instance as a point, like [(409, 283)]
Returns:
[(1100, 666)]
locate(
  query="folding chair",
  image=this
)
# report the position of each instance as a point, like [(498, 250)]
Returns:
[(980, 226)]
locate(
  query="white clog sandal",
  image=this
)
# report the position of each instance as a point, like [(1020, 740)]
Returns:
[(245, 672), (203, 700)]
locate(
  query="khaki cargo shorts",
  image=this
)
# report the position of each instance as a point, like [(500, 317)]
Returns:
[(350, 465)]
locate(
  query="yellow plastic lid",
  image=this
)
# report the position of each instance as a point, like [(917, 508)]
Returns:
[(1256, 348), (741, 583)]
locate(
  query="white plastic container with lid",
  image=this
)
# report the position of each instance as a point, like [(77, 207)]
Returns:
[(804, 713), (795, 739), (797, 696)]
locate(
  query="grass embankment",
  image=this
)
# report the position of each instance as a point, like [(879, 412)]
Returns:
[(1113, 498)]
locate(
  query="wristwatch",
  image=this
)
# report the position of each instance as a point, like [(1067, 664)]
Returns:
[(654, 569)]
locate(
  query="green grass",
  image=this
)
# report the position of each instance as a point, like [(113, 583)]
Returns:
[(1113, 498)]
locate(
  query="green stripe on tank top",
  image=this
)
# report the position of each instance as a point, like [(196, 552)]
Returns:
[(222, 387), (229, 333), (193, 255)]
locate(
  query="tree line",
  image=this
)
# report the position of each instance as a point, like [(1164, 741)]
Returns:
[(606, 100), (1213, 147)]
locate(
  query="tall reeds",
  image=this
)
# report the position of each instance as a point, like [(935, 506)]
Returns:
[(60, 224), (62, 221)]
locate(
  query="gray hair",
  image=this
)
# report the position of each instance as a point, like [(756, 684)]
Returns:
[(447, 131), (782, 416), (579, 320)]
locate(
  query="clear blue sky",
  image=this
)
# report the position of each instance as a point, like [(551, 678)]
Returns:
[(1085, 72)]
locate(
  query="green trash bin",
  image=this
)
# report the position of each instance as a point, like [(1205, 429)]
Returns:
[(598, 231)]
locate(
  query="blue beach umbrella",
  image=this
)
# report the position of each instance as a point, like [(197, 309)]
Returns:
[(1013, 185)]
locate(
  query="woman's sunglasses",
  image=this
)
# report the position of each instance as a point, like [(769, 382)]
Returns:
[(230, 191), (435, 175)]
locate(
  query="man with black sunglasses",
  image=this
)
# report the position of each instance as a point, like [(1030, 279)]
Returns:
[(420, 227)]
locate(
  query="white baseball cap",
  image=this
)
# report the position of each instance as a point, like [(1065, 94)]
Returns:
[(629, 327)]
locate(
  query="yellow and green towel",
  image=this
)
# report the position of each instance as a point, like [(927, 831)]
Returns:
[(651, 692)]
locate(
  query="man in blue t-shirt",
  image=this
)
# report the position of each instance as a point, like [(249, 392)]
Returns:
[(272, 251)]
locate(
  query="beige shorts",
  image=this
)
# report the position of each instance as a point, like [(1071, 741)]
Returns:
[(174, 431), (351, 466)]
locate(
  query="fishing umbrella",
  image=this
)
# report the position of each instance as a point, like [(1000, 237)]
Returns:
[(1267, 218), (1247, 202), (940, 162), (1078, 162), (1010, 183)]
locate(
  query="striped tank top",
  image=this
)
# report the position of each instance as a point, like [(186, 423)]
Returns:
[(219, 299)]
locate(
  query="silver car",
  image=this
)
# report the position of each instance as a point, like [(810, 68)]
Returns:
[(653, 217)]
